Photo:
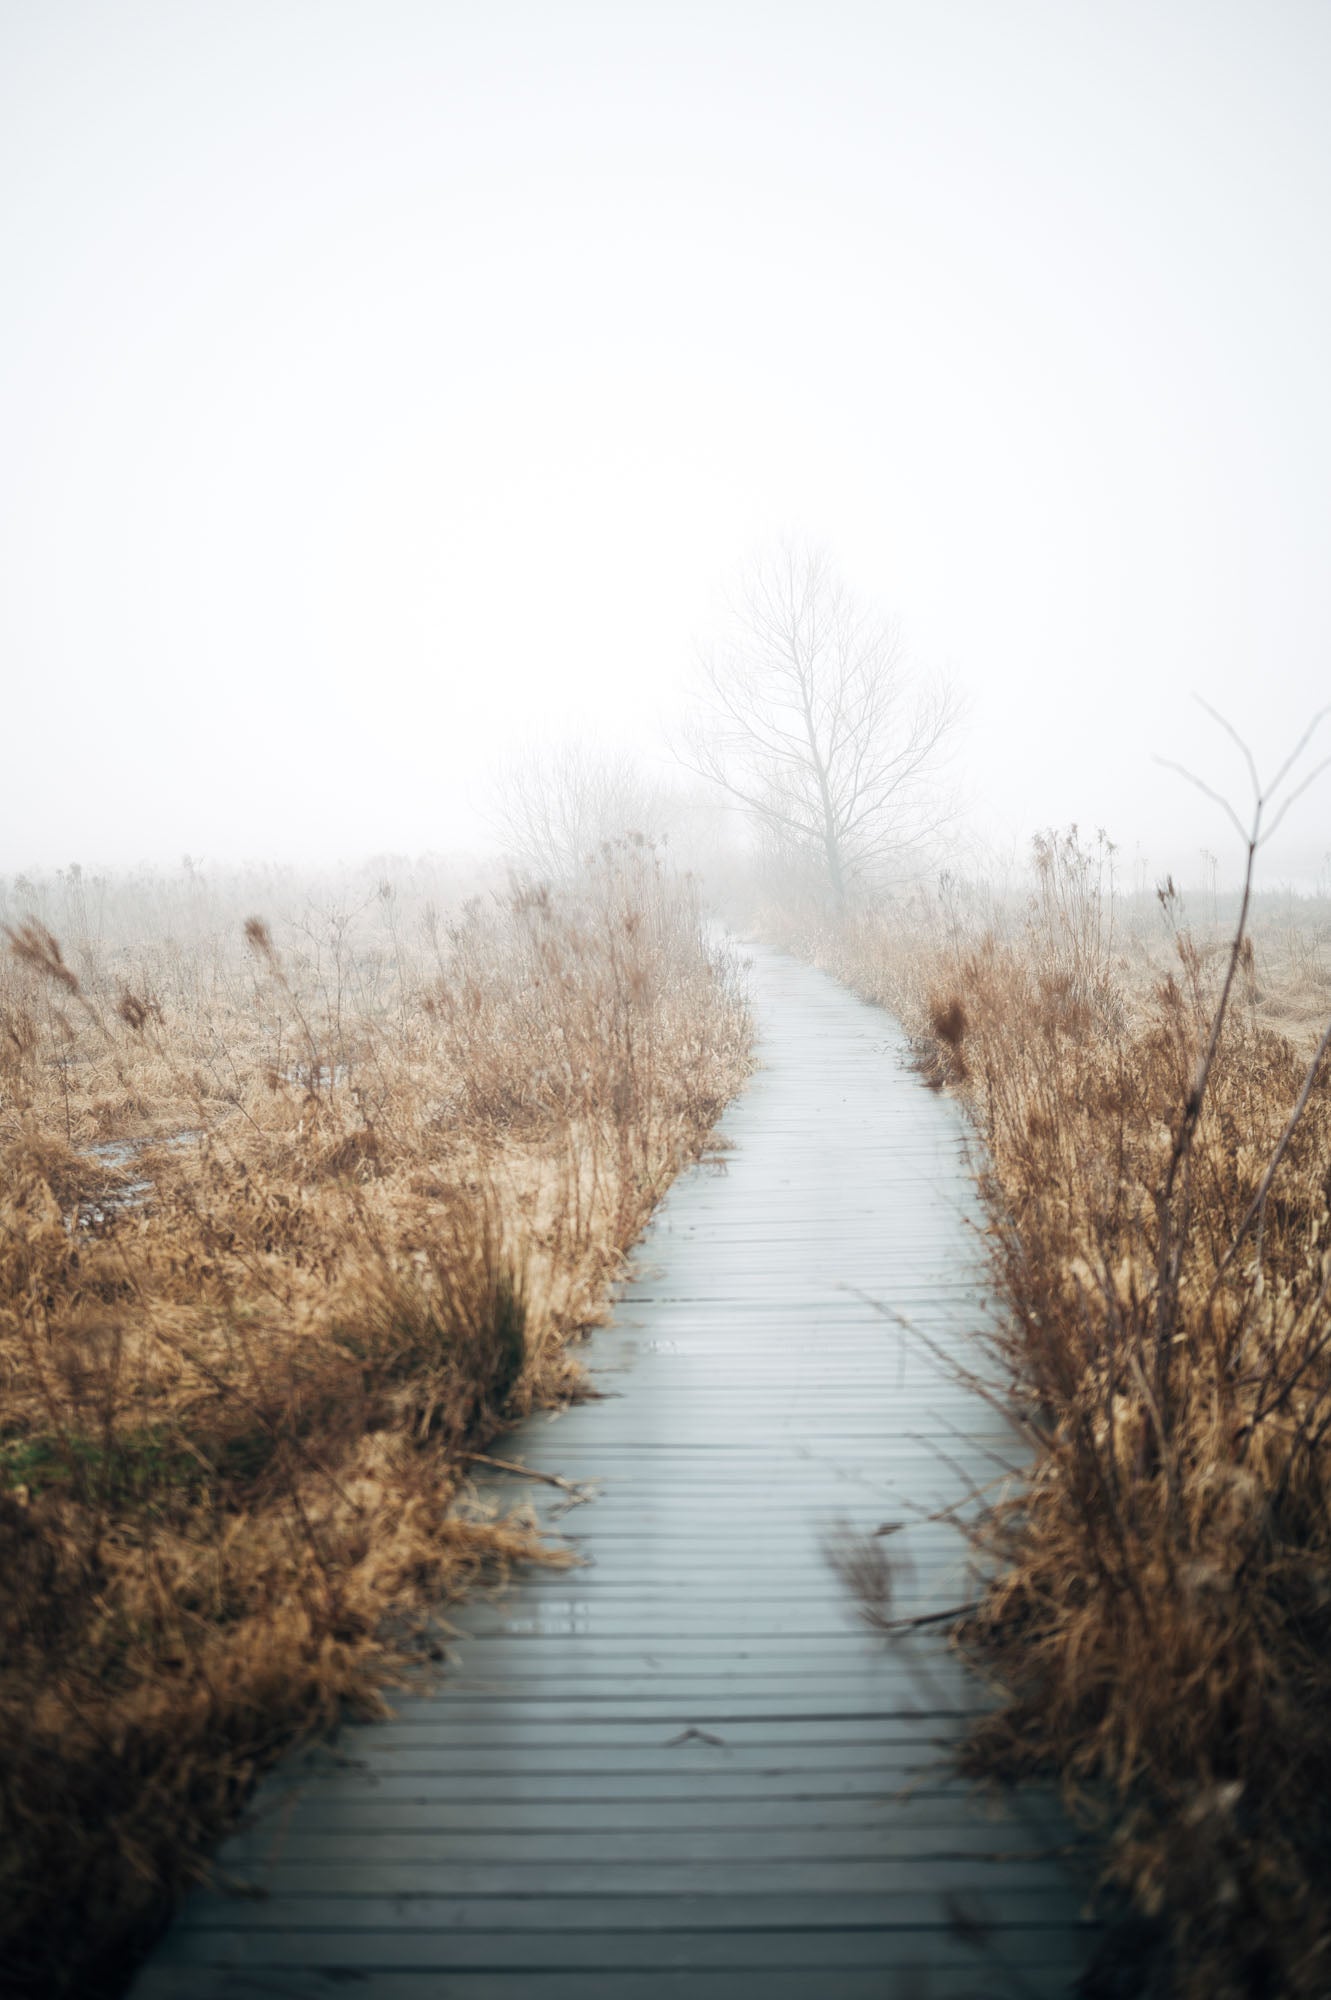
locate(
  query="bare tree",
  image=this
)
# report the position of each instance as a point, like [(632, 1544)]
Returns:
[(808, 719), (559, 806)]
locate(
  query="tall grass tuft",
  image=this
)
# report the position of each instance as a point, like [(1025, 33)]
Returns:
[(1158, 1183), (296, 1211)]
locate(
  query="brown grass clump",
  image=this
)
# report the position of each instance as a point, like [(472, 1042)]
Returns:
[(294, 1217), (1159, 1186)]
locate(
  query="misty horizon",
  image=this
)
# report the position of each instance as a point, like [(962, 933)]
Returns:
[(386, 394)]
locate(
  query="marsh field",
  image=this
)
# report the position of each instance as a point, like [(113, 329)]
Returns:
[(666, 480), (310, 1188), (1149, 1079)]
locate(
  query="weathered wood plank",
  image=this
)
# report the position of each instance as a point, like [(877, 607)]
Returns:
[(808, 1840), (981, 1975), (400, 1946), (966, 1875), (917, 1908)]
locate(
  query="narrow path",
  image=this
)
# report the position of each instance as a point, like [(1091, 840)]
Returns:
[(681, 1769)]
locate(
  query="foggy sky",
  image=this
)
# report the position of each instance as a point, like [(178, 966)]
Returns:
[(383, 386)]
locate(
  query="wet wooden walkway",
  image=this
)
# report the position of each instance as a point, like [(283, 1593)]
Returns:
[(687, 1768)]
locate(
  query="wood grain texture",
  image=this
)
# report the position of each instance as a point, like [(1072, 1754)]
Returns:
[(688, 1766)]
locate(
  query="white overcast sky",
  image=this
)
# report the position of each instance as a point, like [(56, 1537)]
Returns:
[(383, 385)]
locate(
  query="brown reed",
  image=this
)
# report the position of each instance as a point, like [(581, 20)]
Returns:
[(296, 1215)]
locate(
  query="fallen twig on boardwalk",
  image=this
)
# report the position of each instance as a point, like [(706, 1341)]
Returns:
[(923, 1617), (581, 1490)]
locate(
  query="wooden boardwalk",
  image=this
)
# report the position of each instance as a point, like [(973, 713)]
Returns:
[(688, 1768)]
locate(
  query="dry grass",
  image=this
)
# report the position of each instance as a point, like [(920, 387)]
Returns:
[(364, 1175), (1159, 1188)]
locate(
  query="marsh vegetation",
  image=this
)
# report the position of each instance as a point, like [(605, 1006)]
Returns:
[(308, 1190), (1153, 1096)]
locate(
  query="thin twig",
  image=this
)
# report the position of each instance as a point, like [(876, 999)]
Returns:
[(581, 1489), (923, 1618)]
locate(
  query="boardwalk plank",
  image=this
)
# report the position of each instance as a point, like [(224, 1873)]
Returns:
[(964, 1875), (910, 1909), (402, 1947), (977, 1977)]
